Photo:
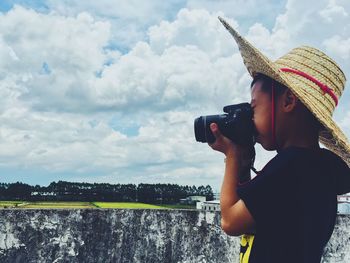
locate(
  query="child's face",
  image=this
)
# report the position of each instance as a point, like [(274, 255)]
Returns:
[(261, 104)]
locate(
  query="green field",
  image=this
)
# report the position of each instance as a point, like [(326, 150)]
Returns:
[(81, 205), (126, 205), (54, 205), (4, 204), (22, 204), (179, 206)]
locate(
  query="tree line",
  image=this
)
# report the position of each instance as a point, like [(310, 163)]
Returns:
[(89, 192)]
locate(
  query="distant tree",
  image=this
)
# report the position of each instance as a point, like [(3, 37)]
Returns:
[(128, 192), (74, 191), (3, 191), (146, 193), (209, 193), (19, 191)]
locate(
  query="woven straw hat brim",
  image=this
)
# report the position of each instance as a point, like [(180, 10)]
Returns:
[(331, 136)]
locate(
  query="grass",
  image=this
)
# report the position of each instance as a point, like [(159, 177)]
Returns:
[(82, 205), (4, 204), (126, 205), (54, 205), (179, 206)]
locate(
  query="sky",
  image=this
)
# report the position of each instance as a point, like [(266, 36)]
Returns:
[(107, 91)]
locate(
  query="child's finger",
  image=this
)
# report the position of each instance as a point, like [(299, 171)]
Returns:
[(215, 130)]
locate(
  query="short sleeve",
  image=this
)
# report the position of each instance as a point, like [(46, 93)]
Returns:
[(270, 191)]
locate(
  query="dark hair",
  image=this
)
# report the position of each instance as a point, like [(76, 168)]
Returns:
[(267, 84)]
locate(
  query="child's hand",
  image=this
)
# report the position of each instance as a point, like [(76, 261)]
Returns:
[(222, 143)]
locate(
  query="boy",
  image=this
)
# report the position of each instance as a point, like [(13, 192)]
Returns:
[(287, 212)]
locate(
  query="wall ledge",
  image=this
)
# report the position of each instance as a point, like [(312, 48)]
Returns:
[(130, 235)]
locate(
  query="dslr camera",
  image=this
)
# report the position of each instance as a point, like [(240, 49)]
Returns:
[(236, 124)]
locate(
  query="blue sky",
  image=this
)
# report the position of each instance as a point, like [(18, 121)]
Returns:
[(107, 91)]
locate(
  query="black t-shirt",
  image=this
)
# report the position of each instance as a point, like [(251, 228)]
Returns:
[(293, 201)]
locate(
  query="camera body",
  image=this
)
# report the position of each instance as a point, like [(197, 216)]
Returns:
[(236, 124)]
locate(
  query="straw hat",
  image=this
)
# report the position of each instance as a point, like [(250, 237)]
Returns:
[(312, 76)]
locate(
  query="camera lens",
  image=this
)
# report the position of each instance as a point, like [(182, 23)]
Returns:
[(202, 129), (199, 129)]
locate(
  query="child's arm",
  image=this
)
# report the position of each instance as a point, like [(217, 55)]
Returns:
[(235, 217)]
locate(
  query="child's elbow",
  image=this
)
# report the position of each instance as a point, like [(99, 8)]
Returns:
[(230, 229)]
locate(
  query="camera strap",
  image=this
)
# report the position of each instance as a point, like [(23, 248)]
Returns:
[(273, 126)]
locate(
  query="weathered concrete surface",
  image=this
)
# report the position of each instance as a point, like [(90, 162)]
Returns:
[(338, 247), (129, 235)]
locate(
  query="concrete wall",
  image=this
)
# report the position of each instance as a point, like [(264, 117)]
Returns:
[(129, 235)]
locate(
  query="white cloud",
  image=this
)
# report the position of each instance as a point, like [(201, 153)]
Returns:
[(246, 11), (193, 28), (312, 22), (345, 122), (62, 66), (54, 141), (129, 19), (176, 70), (272, 44), (339, 46), (71, 42), (70, 48), (333, 11)]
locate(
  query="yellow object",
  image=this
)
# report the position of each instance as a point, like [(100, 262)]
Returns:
[(246, 247)]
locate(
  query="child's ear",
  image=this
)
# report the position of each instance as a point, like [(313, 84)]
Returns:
[(289, 101)]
